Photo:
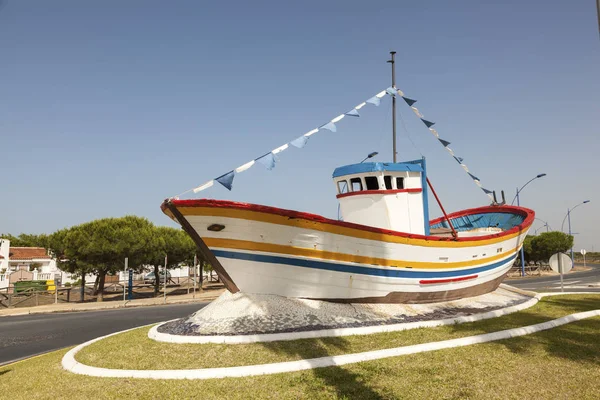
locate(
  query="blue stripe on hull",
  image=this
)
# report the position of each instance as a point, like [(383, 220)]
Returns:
[(355, 269)]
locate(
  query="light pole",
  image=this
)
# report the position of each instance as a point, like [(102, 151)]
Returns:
[(569, 217), (370, 155), (543, 226), (519, 203)]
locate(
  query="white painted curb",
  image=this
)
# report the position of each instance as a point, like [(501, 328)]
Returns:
[(363, 330), (70, 364)]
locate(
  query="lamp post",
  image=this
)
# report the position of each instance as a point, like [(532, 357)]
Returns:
[(543, 226), (518, 204), (569, 217), (371, 155)]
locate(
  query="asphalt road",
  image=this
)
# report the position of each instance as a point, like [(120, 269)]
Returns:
[(27, 335), (586, 281)]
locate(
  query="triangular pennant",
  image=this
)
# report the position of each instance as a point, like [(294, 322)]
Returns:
[(486, 191), (374, 100), (435, 133), (300, 142), (353, 113), (428, 123), (473, 176), (330, 126), (408, 101), (458, 159), (391, 91), (444, 142), (268, 160), (226, 180)]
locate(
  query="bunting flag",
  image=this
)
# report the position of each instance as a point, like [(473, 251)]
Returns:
[(429, 124), (269, 159), (226, 179), (374, 100), (473, 177), (408, 101), (300, 142), (330, 126), (244, 167), (444, 143)]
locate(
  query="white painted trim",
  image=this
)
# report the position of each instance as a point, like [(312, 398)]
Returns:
[(363, 330), (70, 364)]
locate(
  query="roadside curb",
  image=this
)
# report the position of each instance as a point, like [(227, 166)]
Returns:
[(107, 306)]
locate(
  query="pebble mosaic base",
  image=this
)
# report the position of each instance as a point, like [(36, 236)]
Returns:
[(249, 314)]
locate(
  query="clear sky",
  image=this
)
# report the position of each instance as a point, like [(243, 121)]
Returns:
[(109, 107)]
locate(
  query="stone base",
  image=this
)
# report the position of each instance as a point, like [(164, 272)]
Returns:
[(252, 314)]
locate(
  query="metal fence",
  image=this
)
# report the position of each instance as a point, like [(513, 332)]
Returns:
[(113, 291)]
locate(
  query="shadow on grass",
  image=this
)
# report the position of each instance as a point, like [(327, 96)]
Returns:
[(6, 371), (347, 385), (575, 341)]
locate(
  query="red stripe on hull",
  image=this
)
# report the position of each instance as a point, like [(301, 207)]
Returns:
[(412, 190), (433, 281)]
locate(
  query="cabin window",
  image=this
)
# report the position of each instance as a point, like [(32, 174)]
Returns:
[(356, 184), (372, 182), (388, 182), (400, 183), (342, 187)]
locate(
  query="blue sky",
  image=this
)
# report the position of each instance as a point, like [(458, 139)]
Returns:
[(107, 108)]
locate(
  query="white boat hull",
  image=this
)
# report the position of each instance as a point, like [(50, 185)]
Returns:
[(269, 251)]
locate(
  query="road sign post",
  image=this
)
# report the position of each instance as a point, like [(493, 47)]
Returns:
[(165, 287), (195, 266), (130, 285), (561, 263), (125, 277), (583, 252)]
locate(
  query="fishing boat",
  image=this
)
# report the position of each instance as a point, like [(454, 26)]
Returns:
[(382, 249)]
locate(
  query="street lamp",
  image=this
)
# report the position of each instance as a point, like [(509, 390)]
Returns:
[(543, 226), (569, 217), (522, 187), (518, 203), (371, 155)]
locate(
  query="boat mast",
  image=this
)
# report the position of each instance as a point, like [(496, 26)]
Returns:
[(393, 62)]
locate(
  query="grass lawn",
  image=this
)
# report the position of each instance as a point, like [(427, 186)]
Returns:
[(560, 363)]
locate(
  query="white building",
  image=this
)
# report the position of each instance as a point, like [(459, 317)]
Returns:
[(27, 262)]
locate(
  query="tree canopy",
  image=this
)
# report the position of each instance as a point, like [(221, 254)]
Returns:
[(26, 240), (541, 247), (100, 247)]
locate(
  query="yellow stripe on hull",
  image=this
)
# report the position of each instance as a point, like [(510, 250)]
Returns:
[(330, 255), (339, 230)]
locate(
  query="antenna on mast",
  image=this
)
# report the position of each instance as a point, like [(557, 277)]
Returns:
[(393, 62)]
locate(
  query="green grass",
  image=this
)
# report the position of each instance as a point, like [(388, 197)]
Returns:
[(120, 351), (560, 363)]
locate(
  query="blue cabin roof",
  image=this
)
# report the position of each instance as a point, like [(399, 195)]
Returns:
[(416, 166)]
